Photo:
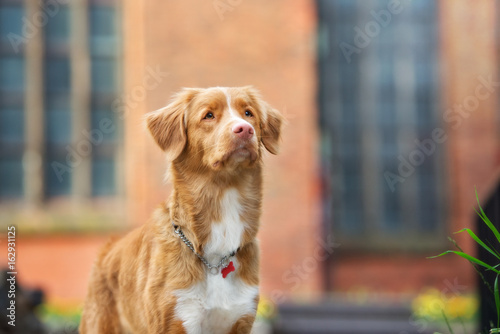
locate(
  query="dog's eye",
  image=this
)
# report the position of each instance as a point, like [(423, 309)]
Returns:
[(248, 113), (209, 115)]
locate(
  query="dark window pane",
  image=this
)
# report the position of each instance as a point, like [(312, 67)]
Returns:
[(58, 171), (104, 125), (102, 22), (57, 28), (11, 21), (11, 113), (427, 196), (11, 177), (103, 31), (57, 77), (11, 74), (103, 177), (392, 221), (103, 75), (58, 126), (57, 119), (11, 126), (57, 175), (104, 128)]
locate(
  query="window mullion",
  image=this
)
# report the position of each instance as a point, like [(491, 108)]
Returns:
[(80, 98), (119, 155), (33, 160)]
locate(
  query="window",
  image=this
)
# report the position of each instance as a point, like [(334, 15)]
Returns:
[(12, 74), (103, 46), (379, 108), (59, 111)]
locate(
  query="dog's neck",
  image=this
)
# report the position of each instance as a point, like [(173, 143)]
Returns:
[(200, 200)]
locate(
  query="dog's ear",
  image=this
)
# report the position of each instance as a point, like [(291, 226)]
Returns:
[(271, 122), (168, 125), (271, 129)]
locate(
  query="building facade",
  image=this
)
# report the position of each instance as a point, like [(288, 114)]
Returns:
[(360, 85)]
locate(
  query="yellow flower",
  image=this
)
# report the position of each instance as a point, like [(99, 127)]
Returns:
[(461, 307), (266, 308), (432, 303), (428, 304)]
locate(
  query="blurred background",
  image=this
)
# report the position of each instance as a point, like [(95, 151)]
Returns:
[(393, 121)]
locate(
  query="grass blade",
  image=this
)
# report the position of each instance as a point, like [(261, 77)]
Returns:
[(497, 301), (479, 241), (443, 253), (493, 248), (486, 220), (447, 322), (470, 258)]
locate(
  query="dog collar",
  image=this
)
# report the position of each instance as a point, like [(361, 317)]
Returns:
[(224, 263)]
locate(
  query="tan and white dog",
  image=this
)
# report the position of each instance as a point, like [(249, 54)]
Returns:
[(194, 268)]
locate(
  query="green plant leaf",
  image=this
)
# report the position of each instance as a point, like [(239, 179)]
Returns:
[(447, 322), (497, 300), (479, 241), (493, 248), (486, 220), (468, 257)]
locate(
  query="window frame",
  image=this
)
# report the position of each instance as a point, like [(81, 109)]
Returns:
[(373, 237), (54, 213)]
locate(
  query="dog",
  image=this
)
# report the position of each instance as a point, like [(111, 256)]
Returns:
[(194, 267)]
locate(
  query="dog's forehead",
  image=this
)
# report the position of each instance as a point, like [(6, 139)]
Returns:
[(223, 96)]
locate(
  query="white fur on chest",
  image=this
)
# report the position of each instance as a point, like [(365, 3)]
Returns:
[(226, 234), (216, 303)]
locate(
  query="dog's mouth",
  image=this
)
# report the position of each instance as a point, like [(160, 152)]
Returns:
[(237, 156)]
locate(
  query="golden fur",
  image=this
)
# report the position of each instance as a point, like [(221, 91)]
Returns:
[(133, 280)]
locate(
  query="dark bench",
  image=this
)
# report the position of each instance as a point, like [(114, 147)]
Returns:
[(341, 318)]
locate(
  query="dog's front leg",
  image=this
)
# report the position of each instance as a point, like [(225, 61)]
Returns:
[(243, 325), (100, 315)]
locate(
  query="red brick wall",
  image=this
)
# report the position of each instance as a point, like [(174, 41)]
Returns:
[(60, 265), (271, 45)]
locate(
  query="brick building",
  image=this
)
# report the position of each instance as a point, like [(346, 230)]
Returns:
[(123, 59)]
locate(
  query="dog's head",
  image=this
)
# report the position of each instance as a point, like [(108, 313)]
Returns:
[(219, 128)]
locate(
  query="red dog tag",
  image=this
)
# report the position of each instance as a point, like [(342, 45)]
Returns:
[(225, 271)]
